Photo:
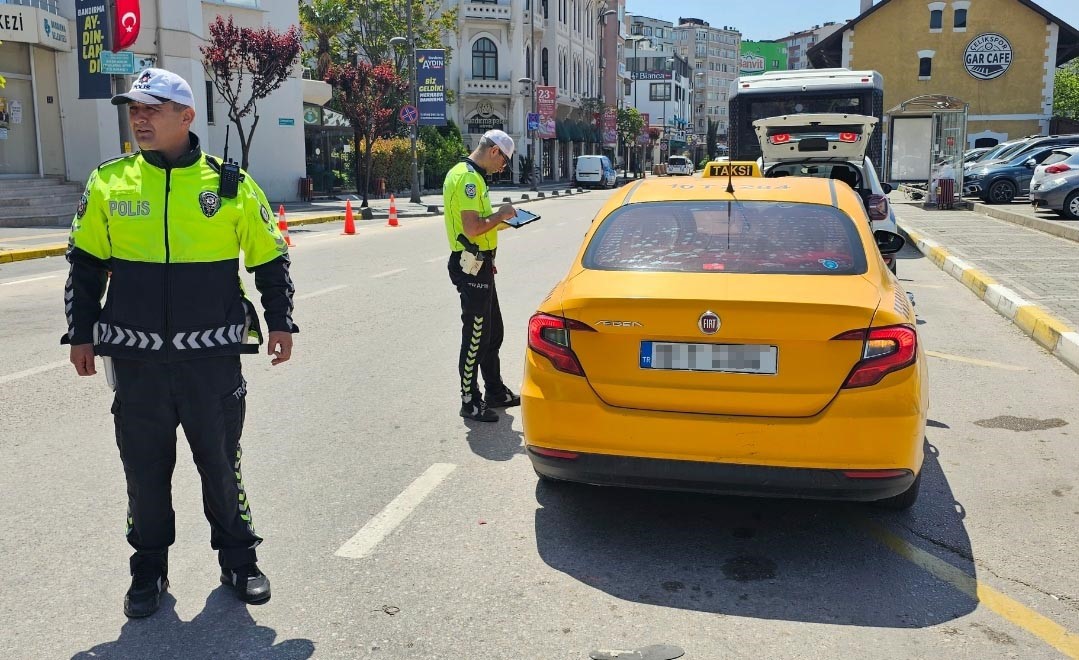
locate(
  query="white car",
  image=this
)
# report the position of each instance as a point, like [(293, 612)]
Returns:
[(595, 171), (828, 146), (1066, 158), (679, 165)]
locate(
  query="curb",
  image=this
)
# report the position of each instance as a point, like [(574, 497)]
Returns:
[(1049, 332), (1040, 224), (60, 249)]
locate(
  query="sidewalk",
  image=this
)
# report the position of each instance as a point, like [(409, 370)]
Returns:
[(1028, 276), (19, 244)]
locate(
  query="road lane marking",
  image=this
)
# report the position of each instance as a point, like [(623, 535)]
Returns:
[(30, 279), (33, 372), (1020, 615), (388, 273), (320, 292), (980, 363), (435, 260), (387, 520)]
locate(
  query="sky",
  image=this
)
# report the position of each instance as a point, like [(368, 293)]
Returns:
[(785, 16)]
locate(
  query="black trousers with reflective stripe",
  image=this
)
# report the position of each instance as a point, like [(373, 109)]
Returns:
[(481, 328), (207, 398)]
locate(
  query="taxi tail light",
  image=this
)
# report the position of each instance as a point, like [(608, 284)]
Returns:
[(877, 206), (884, 350), (780, 138), (549, 336), (1057, 169), (848, 137), (555, 453)]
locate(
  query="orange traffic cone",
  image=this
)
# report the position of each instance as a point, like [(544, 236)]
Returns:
[(393, 213), (350, 222), (282, 225)]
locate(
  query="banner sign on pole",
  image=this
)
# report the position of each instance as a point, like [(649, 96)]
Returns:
[(533, 121), (431, 78), (92, 20), (127, 22), (610, 127), (547, 102)]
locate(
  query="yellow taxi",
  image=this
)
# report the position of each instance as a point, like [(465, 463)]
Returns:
[(730, 334)]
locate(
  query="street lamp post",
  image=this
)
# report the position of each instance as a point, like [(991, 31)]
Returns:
[(535, 153), (410, 41), (601, 20), (636, 39)]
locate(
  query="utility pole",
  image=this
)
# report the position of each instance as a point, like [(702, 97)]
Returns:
[(414, 128)]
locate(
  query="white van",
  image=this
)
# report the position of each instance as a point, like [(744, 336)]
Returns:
[(595, 171), (679, 165)]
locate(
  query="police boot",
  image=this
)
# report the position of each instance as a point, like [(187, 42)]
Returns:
[(504, 398), (149, 579), (248, 582), (477, 410)]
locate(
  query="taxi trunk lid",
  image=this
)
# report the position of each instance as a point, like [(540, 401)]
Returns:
[(798, 315)]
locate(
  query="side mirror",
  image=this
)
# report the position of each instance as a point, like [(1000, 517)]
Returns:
[(887, 187), (877, 207), (1031, 164), (888, 242)]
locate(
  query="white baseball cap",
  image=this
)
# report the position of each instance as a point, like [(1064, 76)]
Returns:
[(503, 141), (156, 86)]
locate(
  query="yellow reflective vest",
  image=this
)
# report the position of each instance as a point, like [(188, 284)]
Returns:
[(168, 247)]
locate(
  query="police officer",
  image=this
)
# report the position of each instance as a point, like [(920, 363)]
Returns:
[(472, 229), (169, 228)]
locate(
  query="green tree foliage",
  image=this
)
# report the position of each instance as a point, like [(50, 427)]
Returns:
[(391, 159), (324, 22), (1066, 91), (630, 125), (378, 21), (443, 148)]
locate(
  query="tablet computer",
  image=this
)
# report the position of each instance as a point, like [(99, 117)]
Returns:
[(522, 218)]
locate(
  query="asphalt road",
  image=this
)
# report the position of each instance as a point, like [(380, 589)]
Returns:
[(396, 530)]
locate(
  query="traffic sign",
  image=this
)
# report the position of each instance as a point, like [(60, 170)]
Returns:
[(409, 114), (118, 64), (533, 121)]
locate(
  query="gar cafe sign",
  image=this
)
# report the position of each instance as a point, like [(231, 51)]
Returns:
[(988, 56)]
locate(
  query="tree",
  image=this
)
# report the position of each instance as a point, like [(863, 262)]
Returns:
[(1066, 91), (630, 125), (712, 138), (378, 21), (367, 95), (325, 22), (246, 65)]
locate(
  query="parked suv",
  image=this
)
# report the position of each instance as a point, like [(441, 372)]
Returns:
[(1000, 181), (679, 165)]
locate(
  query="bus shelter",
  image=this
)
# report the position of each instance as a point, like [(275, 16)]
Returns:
[(926, 138)]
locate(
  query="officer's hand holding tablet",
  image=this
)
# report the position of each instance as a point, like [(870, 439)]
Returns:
[(521, 219)]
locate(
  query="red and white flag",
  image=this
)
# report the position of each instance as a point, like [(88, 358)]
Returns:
[(127, 24)]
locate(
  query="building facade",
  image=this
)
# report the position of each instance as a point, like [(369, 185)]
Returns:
[(52, 132), (799, 43), (999, 56), (504, 50), (714, 55), (659, 33), (659, 87)]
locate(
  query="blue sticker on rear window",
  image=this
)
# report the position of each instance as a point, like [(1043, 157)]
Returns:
[(829, 264)]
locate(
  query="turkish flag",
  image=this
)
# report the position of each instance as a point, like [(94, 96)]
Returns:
[(126, 25)]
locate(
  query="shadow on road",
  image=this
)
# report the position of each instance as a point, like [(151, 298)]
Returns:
[(787, 560), (495, 441), (224, 629)]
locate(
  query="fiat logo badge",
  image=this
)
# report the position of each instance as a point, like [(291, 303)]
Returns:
[(708, 323)]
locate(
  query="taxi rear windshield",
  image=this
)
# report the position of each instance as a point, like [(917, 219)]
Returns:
[(786, 238)]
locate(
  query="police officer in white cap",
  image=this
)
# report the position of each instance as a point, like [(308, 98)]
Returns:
[(472, 229)]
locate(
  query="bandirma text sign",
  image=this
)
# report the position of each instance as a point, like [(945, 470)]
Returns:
[(431, 92), (988, 56)]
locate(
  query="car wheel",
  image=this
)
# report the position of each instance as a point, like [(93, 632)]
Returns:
[(1001, 192), (1071, 206), (904, 500)]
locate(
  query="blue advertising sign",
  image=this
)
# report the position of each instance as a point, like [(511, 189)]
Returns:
[(533, 121), (431, 76), (91, 19)]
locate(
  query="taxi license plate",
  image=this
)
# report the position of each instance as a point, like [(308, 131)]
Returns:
[(730, 358)]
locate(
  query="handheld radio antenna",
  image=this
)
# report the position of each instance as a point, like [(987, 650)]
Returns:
[(226, 154)]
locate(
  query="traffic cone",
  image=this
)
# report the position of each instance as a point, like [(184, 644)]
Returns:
[(350, 222), (393, 213), (282, 225)]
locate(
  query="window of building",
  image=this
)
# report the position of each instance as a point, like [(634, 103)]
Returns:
[(209, 102), (936, 16), (646, 31), (959, 22), (925, 64), (543, 67), (659, 92), (628, 88), (528, 62), (484, 59), (545, 15)]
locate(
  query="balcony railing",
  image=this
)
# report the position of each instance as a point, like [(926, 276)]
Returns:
[(485, 11), (488, 87), (540, 24)]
